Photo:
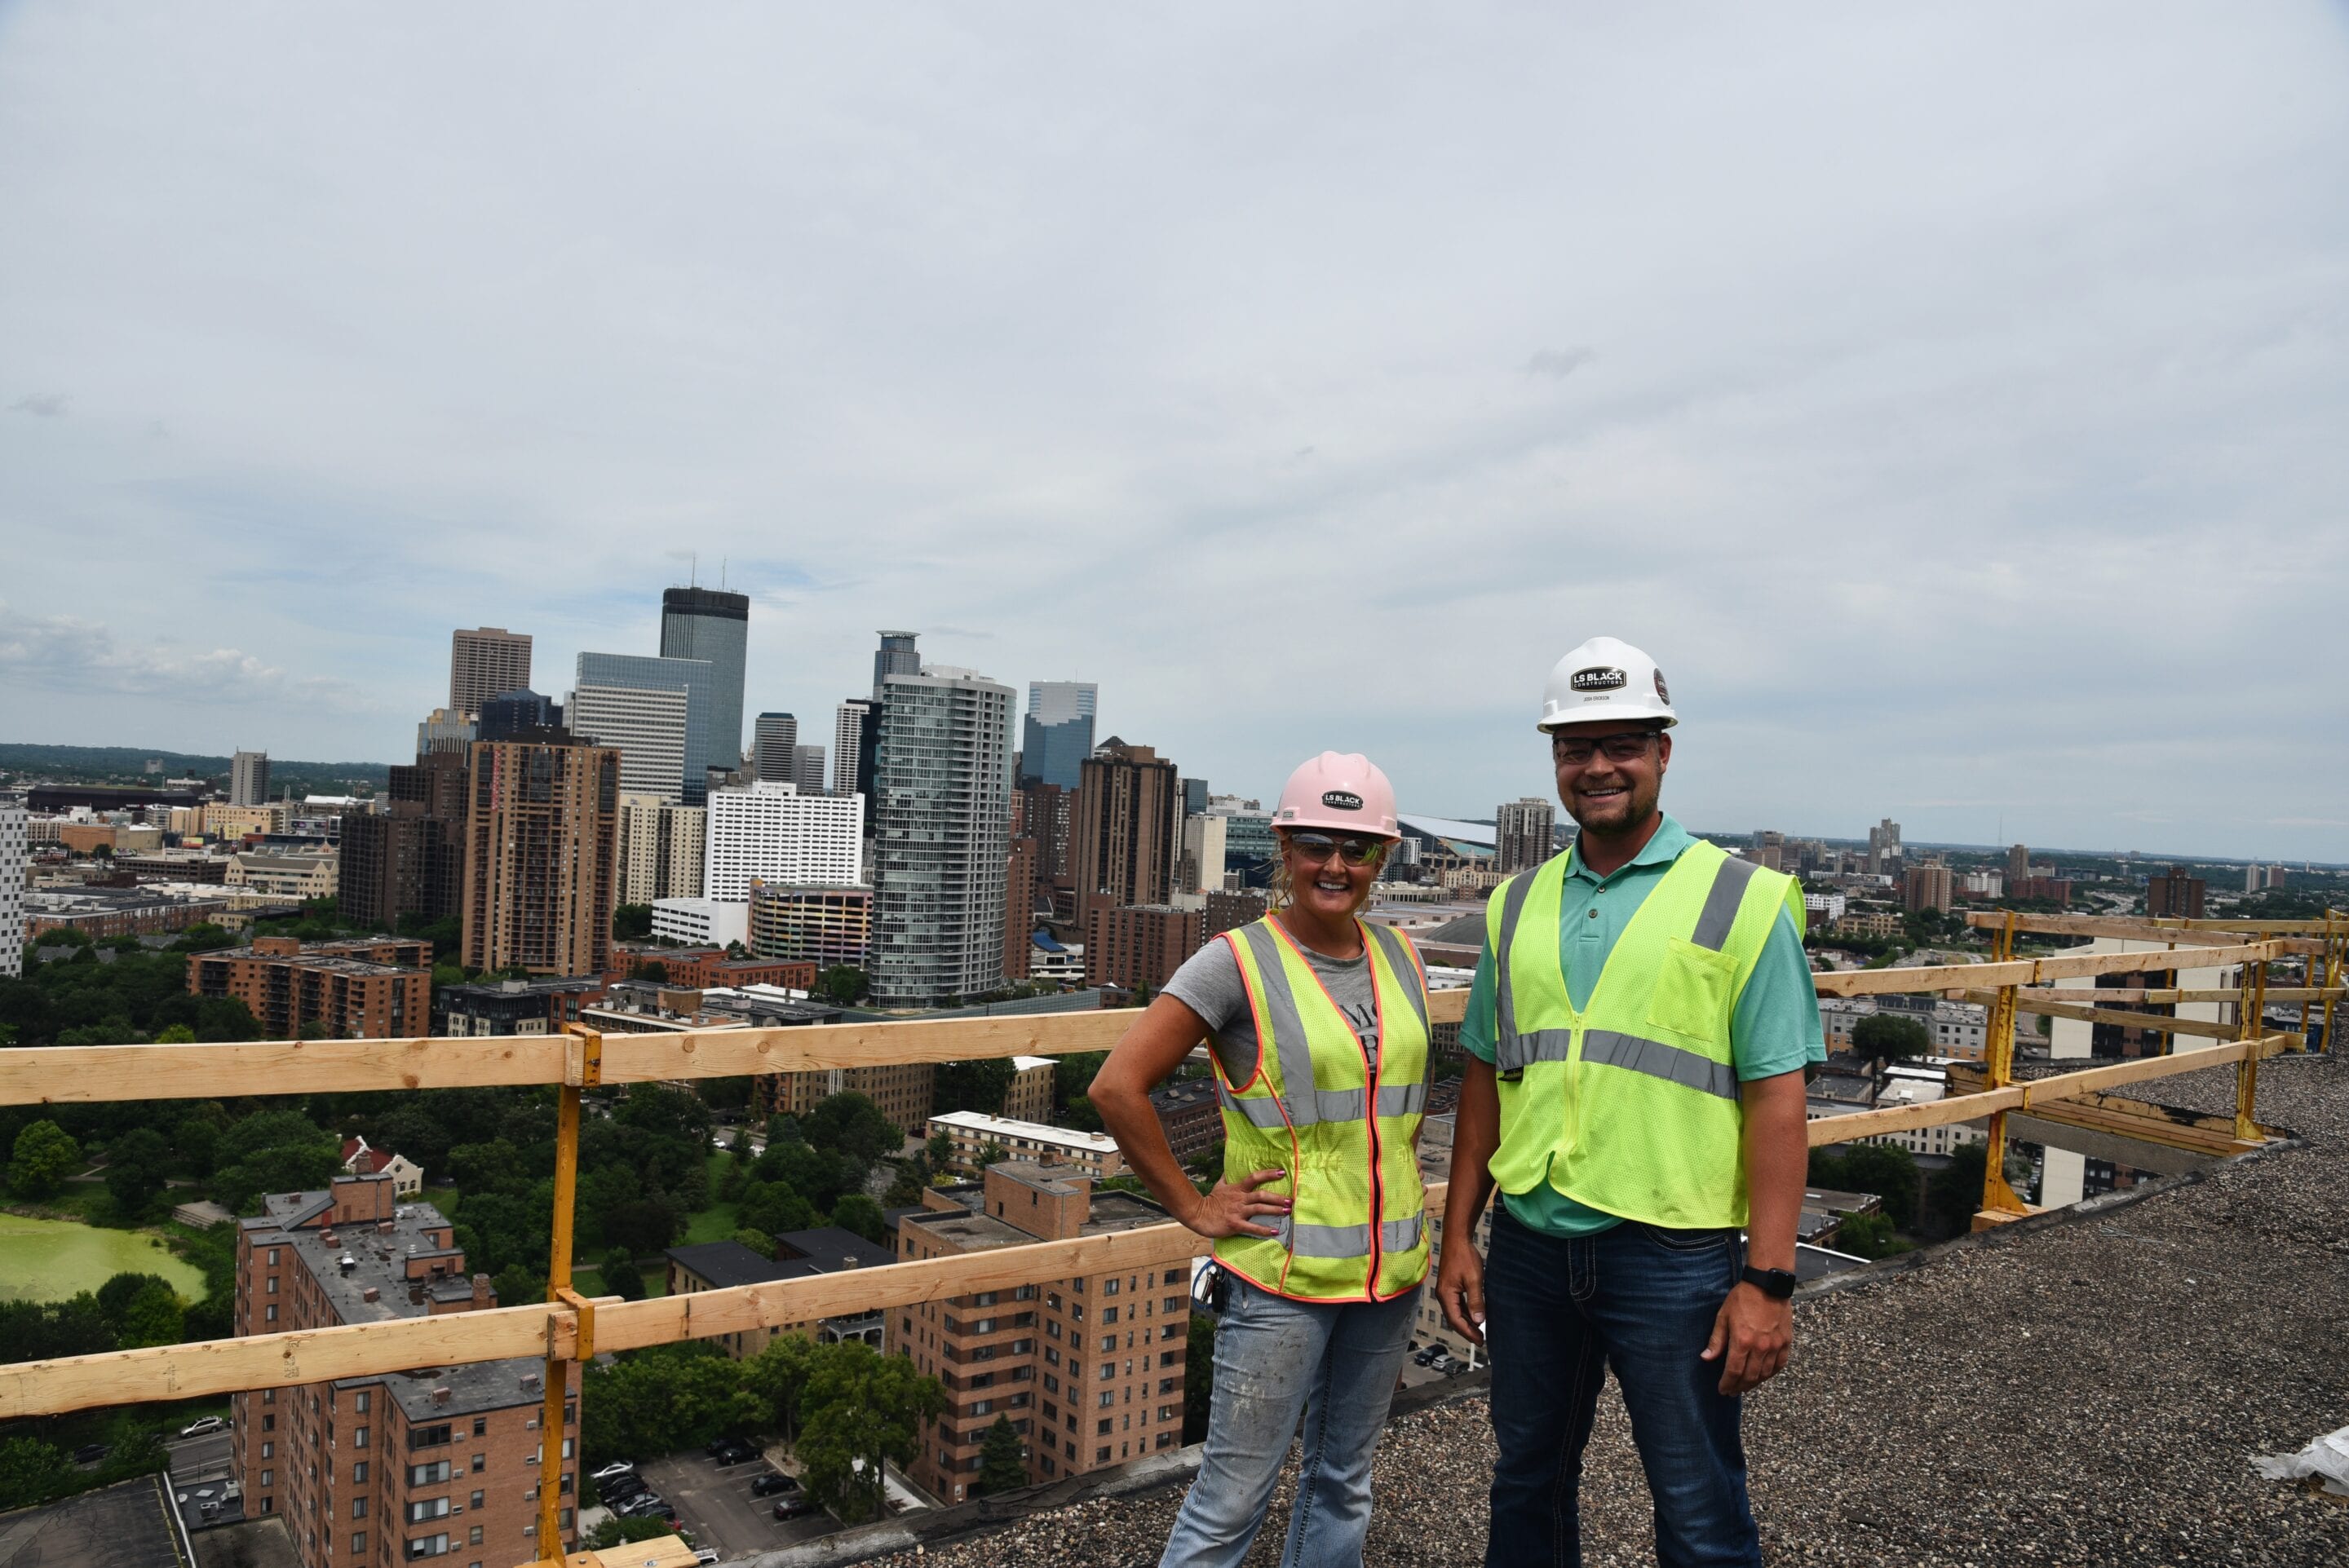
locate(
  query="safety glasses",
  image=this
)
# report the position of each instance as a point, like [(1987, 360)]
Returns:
[(1314, 847)]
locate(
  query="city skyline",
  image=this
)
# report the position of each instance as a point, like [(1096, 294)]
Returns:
[(2027, 527)]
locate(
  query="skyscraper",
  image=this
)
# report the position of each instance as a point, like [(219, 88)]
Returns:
[(648, 724), (540, 852), (772, 833), (662, 846), (410, 858), (852, 755), (1058, 734), (2018, 867), (1883, 844), (1125, 833), (442, 731), (713, 627), (248, 778), (483, 663), (509, 715), (1522, 834), (896, 656), (807, 768), (691, 676), (13, 853), (772, 740), (942, 794)]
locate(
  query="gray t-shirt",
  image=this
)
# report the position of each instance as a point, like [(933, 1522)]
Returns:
[(1209, 984)]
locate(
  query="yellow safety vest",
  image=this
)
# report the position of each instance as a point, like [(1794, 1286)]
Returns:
[(1630, 1105), (1342, 1131)]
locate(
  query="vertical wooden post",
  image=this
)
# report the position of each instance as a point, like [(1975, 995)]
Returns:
[(2253, 1022), (583, 1068)]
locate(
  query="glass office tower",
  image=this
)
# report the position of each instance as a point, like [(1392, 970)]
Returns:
[(1057, 736), (713, 625)]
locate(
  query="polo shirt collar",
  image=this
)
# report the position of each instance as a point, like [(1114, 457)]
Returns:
[(1662, 848)]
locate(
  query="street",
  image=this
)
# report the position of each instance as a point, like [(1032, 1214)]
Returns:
[(199, 1472)]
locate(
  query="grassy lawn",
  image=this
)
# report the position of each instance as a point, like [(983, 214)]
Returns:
[(443, 1198), (716, 1223)]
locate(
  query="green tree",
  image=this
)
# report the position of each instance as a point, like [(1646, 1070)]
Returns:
[(861, 1214), (137, 1164), (940, 1150), (862, 1405), (851, 1124), (156, 1315), (843, 984), (621, 1275), (907, 1187), (632, 922), (1891, 1036), (34, 1472), (175, 1035), (1199, 1377), (1885, 1170), (115, 1296), (1869, 1236), (644, 1227), (615, 1532), (273, 1151), (779, 1377), (758, 1242), (978, 1086), (44, 1155), (773, 1208), (1002, 1460), (1955, 1192), (1071, 1076)]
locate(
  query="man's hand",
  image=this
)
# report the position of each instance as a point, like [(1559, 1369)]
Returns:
[(1460, 1291), (1752, 1336), (1231, 1208)]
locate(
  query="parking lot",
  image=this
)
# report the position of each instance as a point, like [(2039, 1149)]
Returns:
[(715, 1503)]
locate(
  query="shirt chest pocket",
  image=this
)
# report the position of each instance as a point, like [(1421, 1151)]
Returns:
[(1692, 992)]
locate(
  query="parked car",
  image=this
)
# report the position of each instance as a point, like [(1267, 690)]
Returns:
[(705, 1554), (732, 1452), (1428, 1355), (90, 1453), (773, 1484), (794, 1507), (622, 1489), (1457, 1369), (617, 1467), (651, 1502), (201, 1425)]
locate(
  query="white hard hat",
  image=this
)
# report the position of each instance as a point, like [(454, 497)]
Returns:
[(1605, 678)]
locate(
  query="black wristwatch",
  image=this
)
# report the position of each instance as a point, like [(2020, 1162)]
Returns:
[(1776, 1283)]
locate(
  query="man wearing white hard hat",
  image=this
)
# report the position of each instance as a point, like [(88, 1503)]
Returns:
[(1638, 1034), (1317, 1025)]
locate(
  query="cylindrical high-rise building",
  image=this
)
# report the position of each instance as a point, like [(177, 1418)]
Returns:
[(942, 792), (713, 624)]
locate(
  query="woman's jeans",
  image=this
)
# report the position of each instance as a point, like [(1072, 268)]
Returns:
[(1276, 1359), (1558, 1314)]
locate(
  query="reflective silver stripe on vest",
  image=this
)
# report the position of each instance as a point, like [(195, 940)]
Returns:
[(1720, 901), (1259, 1110), (1402, 1098), (1406, 972), (1400, 1235), (1508, 1053), (1545, 1046), (1326, 1241), (1657, 1059), (1288, 1027)]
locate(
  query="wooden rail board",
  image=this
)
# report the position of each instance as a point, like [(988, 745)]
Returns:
[(2021, 971), (2043, 1003), (2139, 928)]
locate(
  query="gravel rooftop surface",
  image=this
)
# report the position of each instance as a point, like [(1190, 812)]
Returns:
[(2084, 1392)]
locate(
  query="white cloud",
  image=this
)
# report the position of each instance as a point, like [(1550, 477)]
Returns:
[(1956, 422), (63, 654)]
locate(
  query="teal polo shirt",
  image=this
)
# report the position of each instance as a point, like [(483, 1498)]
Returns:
[(1775, 1028)]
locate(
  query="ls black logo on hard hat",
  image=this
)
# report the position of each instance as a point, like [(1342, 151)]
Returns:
[(1598, 677), (1344, 800), (1661, 695)]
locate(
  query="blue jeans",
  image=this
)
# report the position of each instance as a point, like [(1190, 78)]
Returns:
[(1558, 1314), (1275, 1359)]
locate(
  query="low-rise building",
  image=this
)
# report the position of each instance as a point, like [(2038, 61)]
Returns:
[(395, 1467), (1088, 1369), (1028, 1097), (375, 988), (535, 1007), (827, 926), (360, 1159), (1137, 944), (701, 922), (707, 968), (1958, 1029), (296, 876), (721, 1265), (975, 1136)]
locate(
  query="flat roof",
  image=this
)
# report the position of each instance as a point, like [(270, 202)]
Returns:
[(131, 1524), (1035, 1131)]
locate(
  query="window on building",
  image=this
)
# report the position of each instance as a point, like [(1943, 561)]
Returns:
[(430, 1437), (359, 1473), (1108, 1397), (473, 1537), (1101, 1455), (358, 1436), (269, 1313), (358, 1508), (428, 1545), (481, 1426), (360, 1403), (269, 1450)]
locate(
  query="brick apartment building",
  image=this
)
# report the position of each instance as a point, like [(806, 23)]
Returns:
[(540, 1006), (799, 1255), (364, 989), (902, 1091), (2175, 892), (1189, 1115), (1089, 1369), (1140, 944), (708, 968), (385, 1470)]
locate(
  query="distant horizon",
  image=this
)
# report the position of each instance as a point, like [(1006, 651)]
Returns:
[(1838, 840)]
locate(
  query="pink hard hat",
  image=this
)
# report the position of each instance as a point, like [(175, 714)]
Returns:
[(1339, 791)]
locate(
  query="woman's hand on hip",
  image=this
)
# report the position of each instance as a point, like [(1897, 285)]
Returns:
[(1230, 1209)]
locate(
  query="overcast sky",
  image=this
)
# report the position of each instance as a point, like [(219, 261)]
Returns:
[(1955, 402)]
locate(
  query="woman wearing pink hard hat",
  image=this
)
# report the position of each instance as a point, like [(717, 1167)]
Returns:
[(1317, 1022)]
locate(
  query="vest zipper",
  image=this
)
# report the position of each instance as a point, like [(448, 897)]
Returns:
[(1378, 1178)]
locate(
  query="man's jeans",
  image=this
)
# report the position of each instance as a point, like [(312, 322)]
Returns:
[(1276, 1359), (1558, 1314)]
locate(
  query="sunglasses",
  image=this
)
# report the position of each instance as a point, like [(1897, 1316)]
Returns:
[(1624, 746), (1314, 847)]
